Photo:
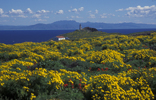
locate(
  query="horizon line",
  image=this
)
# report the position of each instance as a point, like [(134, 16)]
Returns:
[(81, 22)]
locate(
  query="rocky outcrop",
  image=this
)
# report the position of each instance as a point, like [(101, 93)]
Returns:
[(90, 29)]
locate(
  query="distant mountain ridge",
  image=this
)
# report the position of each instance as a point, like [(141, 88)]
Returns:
[(71, 24)]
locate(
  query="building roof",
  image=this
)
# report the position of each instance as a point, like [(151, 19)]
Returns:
[(60, 36)]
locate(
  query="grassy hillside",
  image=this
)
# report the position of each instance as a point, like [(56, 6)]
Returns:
[(107, 66), (141, 33), (79, 34)]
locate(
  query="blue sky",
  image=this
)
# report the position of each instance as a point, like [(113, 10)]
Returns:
[(30, 12)]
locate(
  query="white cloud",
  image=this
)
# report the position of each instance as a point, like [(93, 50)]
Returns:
[(1, 11), (42, 11), (81, 9), (74, 10), (92, 16), (36, 16), (4, 16), (40, 20), (96, 11), (111, 15), (141, 11), (104, 15), (138, 11), (22, 16), (120, 9), (29, 11), (75, 17), (59, 12), (18, 11), (72, 16), (89, 11)]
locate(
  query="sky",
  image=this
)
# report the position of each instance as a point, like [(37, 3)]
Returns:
[(30, 12)]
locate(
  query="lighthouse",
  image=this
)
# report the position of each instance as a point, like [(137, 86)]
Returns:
[(80, 27)]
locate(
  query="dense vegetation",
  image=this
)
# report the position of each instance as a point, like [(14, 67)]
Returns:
[(97, 66)]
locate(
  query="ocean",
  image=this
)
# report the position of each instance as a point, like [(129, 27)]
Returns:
[(19, 36)]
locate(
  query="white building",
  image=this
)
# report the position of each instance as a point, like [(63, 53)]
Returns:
[(58, 38)]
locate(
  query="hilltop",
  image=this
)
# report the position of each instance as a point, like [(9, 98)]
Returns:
[(89, 29), (84, 33)]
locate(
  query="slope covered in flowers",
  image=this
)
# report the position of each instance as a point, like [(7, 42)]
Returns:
[(106, 67)]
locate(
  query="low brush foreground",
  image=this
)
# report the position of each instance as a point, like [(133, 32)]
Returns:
[(113, 67)]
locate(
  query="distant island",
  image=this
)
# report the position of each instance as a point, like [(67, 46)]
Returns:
[(73, 25)]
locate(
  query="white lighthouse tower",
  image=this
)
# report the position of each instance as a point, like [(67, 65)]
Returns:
[(80, 27)]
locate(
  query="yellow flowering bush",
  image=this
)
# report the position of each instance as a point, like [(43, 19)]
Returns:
[(112, 52)]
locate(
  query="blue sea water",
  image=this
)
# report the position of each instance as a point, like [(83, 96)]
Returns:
[(19, 36)]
